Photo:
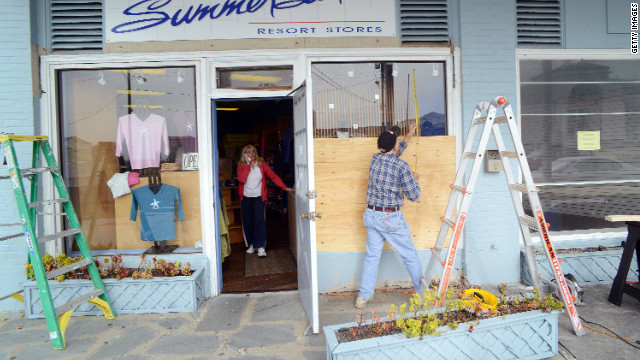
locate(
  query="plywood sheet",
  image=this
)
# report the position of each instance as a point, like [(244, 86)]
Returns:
[(188, 231), (341, 174)]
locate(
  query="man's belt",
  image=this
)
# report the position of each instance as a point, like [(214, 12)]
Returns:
[(385, 209)]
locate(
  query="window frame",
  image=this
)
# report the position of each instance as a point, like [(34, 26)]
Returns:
[(574, 54)]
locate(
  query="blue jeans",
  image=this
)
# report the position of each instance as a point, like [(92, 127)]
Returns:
[(392, 227), (254, 222)]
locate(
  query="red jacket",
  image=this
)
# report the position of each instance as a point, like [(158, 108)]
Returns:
[(243, 174)]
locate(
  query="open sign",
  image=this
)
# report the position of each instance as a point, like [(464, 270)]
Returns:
[(190, 161)]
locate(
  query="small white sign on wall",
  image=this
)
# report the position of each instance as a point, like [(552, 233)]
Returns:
[(169, 20), (190, 161)]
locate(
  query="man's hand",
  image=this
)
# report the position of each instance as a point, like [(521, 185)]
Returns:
[(415, 175), (412, 130)]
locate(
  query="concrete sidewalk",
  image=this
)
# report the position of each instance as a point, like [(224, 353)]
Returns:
[(272, 326)]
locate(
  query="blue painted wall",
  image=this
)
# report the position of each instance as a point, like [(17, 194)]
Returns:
[(488, 42), (597, 24), (16, 101)]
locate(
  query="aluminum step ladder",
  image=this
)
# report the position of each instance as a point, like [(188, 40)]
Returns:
[(462, 190), (57, 317)]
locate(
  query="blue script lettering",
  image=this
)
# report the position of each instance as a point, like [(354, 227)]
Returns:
[(149, 13)]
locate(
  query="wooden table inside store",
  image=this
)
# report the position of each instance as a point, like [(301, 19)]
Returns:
[(632, 244), (188, 231)]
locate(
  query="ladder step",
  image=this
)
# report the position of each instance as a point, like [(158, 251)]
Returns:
[(509, 154), (498, 120), (10, 295), (59, 235), (448, 221), (458, 188), (47, 202), (31, 171), (51, 213), (69, 268), (520, 187), (84, 298), (436, 254), (529, 221), (11, 236)]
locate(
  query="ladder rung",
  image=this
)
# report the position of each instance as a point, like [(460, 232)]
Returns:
[(66, 269), (448, 221), (529, 221), (48, 202), (30, 171), (498, 120), (509, 154), (520, 187), (458, 188), (51, 213), (59, 235), (11, 236), (470, 154), (435, 253), (10, 295), (86, 297)]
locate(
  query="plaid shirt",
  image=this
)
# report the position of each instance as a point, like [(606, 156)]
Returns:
[(390, 180)]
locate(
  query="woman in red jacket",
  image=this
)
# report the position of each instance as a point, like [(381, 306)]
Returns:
[(252, 170)]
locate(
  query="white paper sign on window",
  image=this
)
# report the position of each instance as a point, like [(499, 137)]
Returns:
[(190, 161), (168, 20)]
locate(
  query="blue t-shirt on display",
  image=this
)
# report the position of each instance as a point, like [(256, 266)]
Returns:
[(157, 212)]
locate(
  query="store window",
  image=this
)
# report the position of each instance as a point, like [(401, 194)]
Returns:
[(130, 150), (580, 129), (360, 99)]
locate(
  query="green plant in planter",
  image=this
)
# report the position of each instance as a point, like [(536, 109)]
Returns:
[(424, 317), (112, 267)]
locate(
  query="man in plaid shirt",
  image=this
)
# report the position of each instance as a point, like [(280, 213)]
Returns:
[(390, 180)]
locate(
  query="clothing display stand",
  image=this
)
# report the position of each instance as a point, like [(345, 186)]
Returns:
[(484, 116), (155, 184)]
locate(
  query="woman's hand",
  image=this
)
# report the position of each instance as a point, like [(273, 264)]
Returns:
[(290, 189)]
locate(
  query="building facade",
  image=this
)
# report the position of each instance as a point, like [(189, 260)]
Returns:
[(332, 74)]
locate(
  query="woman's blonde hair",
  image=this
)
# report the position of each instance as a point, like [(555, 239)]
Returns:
[(259, 160)]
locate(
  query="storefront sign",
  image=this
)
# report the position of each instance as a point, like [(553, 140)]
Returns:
[(167, 20), (190, 161)]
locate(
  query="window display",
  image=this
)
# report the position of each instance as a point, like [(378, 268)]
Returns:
[(356, 99), (580, 128), (122, 130)]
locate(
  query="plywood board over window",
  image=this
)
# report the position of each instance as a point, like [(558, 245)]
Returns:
[(341, 174)]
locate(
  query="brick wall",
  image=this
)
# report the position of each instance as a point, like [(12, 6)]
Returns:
[(16, 102), (488, 40)]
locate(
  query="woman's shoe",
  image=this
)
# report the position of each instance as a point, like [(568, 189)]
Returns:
[(250, 250), (262, 252)]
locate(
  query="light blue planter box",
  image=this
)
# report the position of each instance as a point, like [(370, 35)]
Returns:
[(589, 268), (128, 296), (529, 335)]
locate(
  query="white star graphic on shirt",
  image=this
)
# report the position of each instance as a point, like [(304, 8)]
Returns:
[(190, 126), (143, 130), (155, 204)]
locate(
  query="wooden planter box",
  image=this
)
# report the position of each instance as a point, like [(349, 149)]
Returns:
[(128, 296), (589, 268), (528, 335)]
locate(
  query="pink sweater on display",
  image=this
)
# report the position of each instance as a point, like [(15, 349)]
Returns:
[(143, 138)]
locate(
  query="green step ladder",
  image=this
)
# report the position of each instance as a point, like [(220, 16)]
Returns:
[(57, 317)]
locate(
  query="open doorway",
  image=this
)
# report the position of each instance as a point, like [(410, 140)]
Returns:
[(268, 125)]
